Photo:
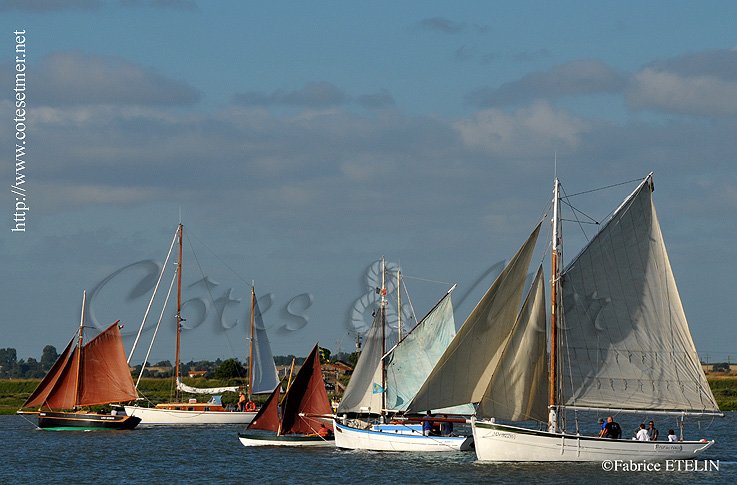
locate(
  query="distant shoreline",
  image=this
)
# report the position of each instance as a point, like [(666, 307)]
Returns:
[(14, 392)]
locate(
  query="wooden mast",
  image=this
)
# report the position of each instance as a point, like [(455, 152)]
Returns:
[(555, 280), (78, 363), (383, 335), (250, 346), (291, 371), (179, 306)]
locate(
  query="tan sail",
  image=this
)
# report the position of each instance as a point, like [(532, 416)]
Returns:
[(518, 390), (464, 372), (627, 338)]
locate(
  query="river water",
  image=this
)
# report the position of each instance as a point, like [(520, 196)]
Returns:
[(214, 455)]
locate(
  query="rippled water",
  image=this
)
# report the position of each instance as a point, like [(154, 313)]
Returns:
[(214, 455)]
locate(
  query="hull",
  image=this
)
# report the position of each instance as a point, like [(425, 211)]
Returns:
[(497, 442), (267, 439), (388, 440), (163, 417), (85, 421)]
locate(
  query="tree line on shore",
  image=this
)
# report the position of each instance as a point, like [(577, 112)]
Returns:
[(12, 368)]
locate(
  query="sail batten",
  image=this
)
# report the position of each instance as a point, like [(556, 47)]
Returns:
[(624, 329)]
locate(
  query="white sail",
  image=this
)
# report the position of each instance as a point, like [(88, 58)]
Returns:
[(413, 358), (363, 393), (624, 339), (518, 389), (464, 371), (265, 377), (204, 390)]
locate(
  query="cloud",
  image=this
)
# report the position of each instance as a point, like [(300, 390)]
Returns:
[(382, 99), (171, 4), (74, 78), (49, 5), (314, 95), (701, 84), (537, 130), (571, 79), (447, 26)]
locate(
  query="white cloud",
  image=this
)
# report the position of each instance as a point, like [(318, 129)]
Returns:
[(693, 94), (534, 130)]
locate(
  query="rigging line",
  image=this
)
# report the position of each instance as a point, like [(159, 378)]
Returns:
[(575, 213), (409, 300), (237, 275), (156, 329), (425, 279), (209, 293), (579, 211), (606, 187)]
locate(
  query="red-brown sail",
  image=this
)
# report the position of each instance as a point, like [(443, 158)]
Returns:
[(105, 376), (49, 382), (268, 416), (306, 395)]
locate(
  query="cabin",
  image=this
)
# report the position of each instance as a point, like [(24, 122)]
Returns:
[(722, 368), (332, 373)]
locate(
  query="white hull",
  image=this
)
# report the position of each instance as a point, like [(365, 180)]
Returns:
[(292, 441), (496, 442), (155, 416), (366, 439)]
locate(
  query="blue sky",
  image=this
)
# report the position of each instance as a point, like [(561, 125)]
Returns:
[(304, 140)]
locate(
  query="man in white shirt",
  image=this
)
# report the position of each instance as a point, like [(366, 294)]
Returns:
[(642, 434)]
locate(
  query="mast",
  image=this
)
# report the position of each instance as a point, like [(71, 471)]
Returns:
[(555, 281), (179, 305), (250, 345), (383, 335), (78, 363), (399, 304), (291, 371)]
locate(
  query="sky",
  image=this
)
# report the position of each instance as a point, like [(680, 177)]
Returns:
[(299, 142)]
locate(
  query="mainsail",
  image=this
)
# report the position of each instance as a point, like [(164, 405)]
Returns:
[(263, 369), (624, 339), (264, 376), (305, 397), (464, 372), (518, 389), (101, 377), (410, 362), (363, 393)]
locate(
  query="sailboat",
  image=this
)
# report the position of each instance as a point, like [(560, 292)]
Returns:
[(305, 410), (262, 374), (620, 344), (385, 382), (87, 374)]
